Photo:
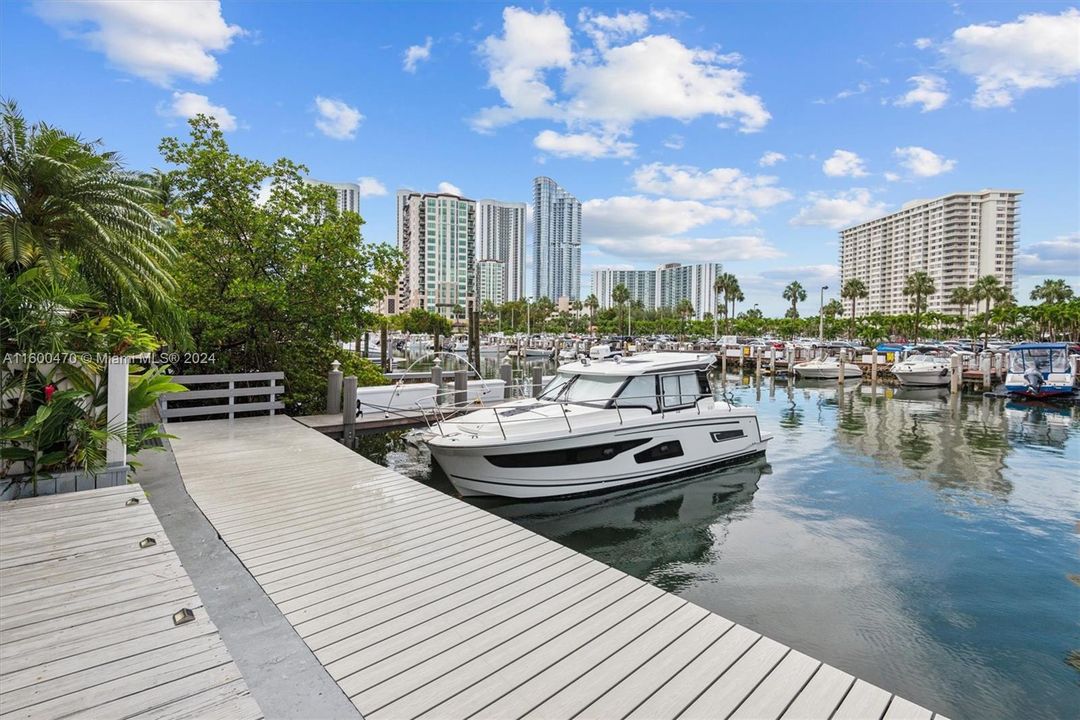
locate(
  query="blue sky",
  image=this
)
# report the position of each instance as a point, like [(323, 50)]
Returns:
[(745, 133)]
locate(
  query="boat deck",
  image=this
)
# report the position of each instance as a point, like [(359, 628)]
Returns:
[(421, 605), (86, 616)]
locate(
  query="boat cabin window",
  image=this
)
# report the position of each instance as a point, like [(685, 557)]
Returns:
[(680, 390), (640, 391), (582, 388)]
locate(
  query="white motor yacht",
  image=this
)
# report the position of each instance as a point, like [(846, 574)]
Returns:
[(825, 369), (598, 425), (923, 371)]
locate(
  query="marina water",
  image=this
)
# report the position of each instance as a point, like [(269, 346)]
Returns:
[(925, 542)]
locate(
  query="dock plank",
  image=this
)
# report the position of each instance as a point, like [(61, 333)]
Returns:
[(86, 616)]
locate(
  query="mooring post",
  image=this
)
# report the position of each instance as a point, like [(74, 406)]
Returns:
[(333, 389), (956, 381), (506, 374), (840, 376), (986, 370), (384, 352), (757, 364), (461, 387), (436, 377), (537, 380), (348, 410), (772, 360), (723, 364), (873, 366)]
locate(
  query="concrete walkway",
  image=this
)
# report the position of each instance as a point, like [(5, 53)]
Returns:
[(282, 674)]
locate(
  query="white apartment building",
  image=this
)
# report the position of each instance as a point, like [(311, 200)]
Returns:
[(955, 238), (348, 194), (500, 236), (436, 234), (556, 242), (640, 283), (490, 279), (663, 287)]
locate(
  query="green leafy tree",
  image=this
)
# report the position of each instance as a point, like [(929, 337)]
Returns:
[(620, 295), (273, 284), (963, 297), (919, 287), (62, 197), (854, 289)]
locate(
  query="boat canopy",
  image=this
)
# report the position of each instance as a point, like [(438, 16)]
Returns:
[(1043, 358)]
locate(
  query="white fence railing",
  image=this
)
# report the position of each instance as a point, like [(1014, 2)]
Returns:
[(239, 393)]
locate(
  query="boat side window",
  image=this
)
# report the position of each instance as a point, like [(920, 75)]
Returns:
[(556, 386), (639, 391), (1016, 361), (679, 390), (592, 389), (1059, 360)]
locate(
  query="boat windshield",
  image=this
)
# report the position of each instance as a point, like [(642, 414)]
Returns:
[(582, 388), (1042, 360)]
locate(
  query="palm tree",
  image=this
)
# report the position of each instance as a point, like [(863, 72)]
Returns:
[(854, 289), (684, 308), (620, 295), (592, 302), (795, 294), (919, 286), (576, 306), (60, 197), (1052, 291), (963, 297), (728, 285), (987, 288)]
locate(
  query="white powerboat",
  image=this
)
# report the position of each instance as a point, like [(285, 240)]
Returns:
[(596, 426), (825, 369), (923, 371)]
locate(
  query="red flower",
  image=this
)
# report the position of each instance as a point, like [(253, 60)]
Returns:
[(49, 390)]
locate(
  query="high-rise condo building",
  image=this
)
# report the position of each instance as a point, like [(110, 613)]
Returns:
[(348, 194), (640, 283), (556, 242), (436, 234), (500, 236), (663, 287), (490, 279), (675, 282), (956, 239)]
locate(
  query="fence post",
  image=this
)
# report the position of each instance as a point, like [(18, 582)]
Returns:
[(461, 388), (116, 410), (348, 409), (537, 380), (506, 374), (333, 389), (232, 399), (873, 366)]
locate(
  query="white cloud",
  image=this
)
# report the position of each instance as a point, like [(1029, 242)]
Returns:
[(452, 189), (188, 105), (930, 91), (840, 210), (370, 187), (844, 163), (812, 277), (662, 248), (606, 29), (1051, 258), (638, 216), (923, 43), (724, 185), (610, 86), (669, 15), (891, 176), (154, 39), (771, 157), (675, 142), (1035, 51), (589, 146), (416, 54), (336, 119), (921, 162)]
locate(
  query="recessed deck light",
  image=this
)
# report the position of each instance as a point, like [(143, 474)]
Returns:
[(132, 501), (147, 542), (183, 615)]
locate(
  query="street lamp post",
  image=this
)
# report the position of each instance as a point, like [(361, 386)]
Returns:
[(821, 316)]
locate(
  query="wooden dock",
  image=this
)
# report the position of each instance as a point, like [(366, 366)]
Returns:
[(86, 616), (421, 605)]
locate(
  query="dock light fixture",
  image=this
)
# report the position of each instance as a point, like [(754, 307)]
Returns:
[(132, 501), (147, 542), (183, 615)]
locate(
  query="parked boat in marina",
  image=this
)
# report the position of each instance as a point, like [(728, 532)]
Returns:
[(1041, 370), (825, 369), (596, 426), (923, 371)]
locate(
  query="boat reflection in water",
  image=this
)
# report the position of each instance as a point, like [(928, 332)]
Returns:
[(657, 532)]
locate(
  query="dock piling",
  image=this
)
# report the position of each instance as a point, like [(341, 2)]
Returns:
[(772, 360), (840, 376), (348, 410), (333, 389), (461, 387), (436, 375), (984, 364), (506, 374), (384, 352), (873, 366), (537, 381), (955, 381)]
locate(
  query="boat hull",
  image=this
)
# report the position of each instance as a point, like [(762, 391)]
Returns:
[(923, 378), (586, 462), (827, 373)]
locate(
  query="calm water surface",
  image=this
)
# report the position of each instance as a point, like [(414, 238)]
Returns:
[(925, 543)]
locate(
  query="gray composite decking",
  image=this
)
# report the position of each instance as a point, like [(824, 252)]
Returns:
[(421, 605), (86, 625)]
